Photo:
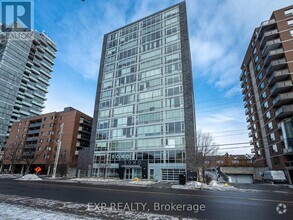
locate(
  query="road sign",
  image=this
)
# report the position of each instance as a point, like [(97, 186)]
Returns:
[(38, 169)]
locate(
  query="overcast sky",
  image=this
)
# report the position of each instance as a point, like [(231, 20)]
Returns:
[(219, 31)]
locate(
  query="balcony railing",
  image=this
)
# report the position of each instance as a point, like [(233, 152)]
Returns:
[(276, 65), (34, 125), (274, 54), (269, 35), (283, 98), (281, 87), (284, 111), (33, 132), (271, 45), (278, 76), (265, 26)]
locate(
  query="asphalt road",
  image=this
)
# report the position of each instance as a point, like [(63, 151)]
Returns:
[(216, 205)]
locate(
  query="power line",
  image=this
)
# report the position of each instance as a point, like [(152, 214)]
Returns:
[(234, 148), (231, 134)]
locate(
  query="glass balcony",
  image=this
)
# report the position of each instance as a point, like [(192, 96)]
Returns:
[(281, 87), (283, 99), (284, 111)]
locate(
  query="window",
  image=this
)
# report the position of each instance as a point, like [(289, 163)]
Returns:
[(274, 148), (290, 22), (291, 32), (258, 67), (272, 137), (268, 115), (270, 126), (266, 104), (264, 95), (235, 161), (276, 160), (262, 85), (254, 51), (256, 59), (260, 76), (289, 12)]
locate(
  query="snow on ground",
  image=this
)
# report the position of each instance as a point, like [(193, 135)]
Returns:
[(26, 208), (107, 181), (214, 185), (11, 211), (30, 177), (10, 176)]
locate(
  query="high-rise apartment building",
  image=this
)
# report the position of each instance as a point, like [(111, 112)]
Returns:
[(266, 82), (25, 70), (144, 120), (33, 142)]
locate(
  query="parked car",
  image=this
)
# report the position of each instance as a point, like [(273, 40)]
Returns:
[(275, 176)]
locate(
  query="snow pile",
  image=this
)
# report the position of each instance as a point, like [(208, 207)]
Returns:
[(142, 182), (214, 185), (30, 177), (108, 181)]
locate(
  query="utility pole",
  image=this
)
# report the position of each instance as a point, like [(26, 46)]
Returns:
[(58, 152)]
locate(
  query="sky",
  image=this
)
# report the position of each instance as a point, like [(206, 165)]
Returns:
[(219, 31)]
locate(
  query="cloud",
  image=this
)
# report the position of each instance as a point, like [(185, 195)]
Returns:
[(220, 32), (227, 126)]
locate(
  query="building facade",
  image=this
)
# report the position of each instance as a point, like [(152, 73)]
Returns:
[(267, 88), (25, 71), (34, 140), (144, 120)]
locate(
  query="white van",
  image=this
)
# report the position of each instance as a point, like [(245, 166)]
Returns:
[(276, 176)]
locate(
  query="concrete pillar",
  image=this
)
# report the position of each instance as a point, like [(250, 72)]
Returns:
[(49, 169), (10, 168), (22, 169), (1, 168)]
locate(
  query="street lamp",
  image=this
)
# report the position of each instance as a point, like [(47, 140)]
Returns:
[(58, 151)]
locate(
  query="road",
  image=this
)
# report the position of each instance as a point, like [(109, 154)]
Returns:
[(217, 205)]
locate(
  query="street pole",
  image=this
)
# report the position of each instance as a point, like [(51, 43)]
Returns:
[(58, 152)]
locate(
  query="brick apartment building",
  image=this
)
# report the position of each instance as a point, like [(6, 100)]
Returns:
[(267, 88), (33, 141)]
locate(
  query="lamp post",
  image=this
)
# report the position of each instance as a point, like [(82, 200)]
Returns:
[(59, 142)]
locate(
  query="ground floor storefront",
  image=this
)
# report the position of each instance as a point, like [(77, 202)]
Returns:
[(140, 169)]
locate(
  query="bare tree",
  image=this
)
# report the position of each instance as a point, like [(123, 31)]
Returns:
[(12, 154), (62, 168), (205, 149), (31, 157)]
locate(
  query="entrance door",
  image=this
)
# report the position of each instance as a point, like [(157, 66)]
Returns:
[(128, 173)]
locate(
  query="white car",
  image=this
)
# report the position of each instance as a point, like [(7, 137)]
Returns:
[(276, 176)]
